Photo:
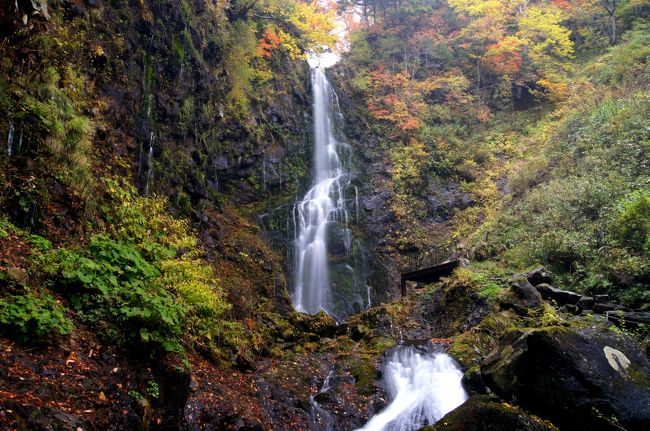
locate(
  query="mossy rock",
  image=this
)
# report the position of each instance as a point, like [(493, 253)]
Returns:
[(589, 378), (485, 413), (471, 347), (382, 344), (318, 325), (365, 375), (473, 381)]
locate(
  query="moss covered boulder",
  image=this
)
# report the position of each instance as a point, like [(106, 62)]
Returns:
[(485, 413), (588, 379)]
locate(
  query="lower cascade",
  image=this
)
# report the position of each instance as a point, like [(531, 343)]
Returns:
[(423, 385)]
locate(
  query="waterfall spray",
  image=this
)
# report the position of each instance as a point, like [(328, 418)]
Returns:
[(149, 183)]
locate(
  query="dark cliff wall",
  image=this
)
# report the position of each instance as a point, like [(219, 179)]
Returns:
[(164, 92), (170, 97)]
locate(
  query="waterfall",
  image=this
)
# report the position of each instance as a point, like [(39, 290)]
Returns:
[(423, 384), (317, 216), (264, 185), (356, 204)]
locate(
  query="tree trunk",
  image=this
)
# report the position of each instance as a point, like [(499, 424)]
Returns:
[(613, 35)]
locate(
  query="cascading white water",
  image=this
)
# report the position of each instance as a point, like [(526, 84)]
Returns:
[(323, 205), (423, 385)]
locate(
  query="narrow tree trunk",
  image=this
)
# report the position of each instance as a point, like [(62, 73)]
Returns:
[(613, 31)]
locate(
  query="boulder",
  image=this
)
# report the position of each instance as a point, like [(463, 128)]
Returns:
[(629, 318), (320, 324), (604, 307), (586, 303), (521, 297), (30, 417), (591, 379), (601, 298), (561, 297), (485, 413), (536, 276), (473, 381)]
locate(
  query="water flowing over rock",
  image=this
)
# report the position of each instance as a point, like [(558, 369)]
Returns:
[(321, 219), (149, 182), (424, 386)]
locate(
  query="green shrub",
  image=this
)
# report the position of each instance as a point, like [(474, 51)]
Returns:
[(39, 243), (53, 112), (196, 287), (630, 226), (116, 289), (33, 317), (482, 278), (589, 218), (7, 228), (145, 222), (153, 390), (626, 60)]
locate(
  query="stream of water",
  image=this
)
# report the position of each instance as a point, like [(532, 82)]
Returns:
[(322, 212), (423, 385)]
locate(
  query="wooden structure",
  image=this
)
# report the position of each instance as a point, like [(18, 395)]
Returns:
[(429, 274)]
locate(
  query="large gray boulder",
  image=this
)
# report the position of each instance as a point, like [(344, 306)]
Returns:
[(536, 276), (561, 297), (587, 379)]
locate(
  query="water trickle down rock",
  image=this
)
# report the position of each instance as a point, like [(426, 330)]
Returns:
[(149, 183), (319, 418)]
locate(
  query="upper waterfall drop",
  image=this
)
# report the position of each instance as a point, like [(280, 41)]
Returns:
[(323, 209)]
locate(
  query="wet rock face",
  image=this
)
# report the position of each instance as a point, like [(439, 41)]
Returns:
[(484, 413), (578, 380)]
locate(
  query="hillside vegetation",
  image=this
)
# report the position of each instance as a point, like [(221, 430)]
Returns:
[(534, 111)]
